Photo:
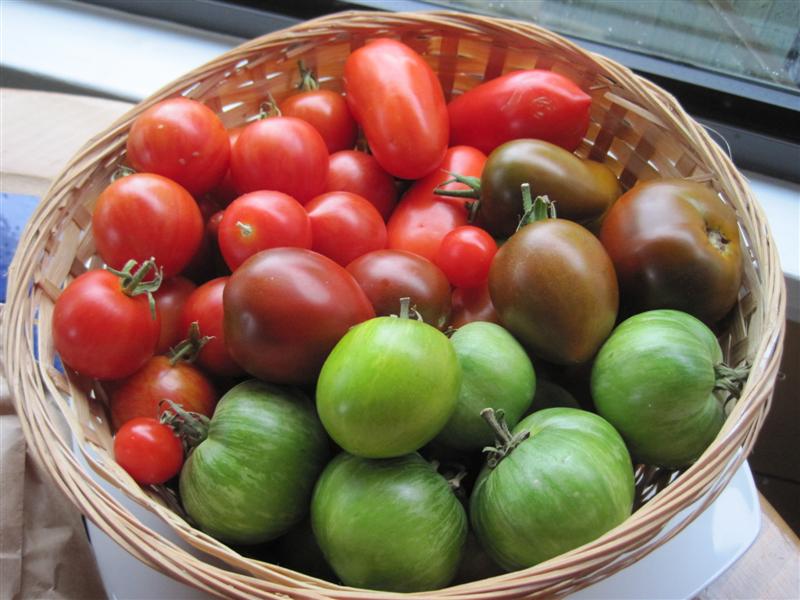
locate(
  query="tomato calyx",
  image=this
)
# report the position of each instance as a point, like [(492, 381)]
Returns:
[(308, 81), (269, 108), (505, 441), (133, 283), (731, 379), (474, 192), (407, 311), (245, 228), (188, 350), (122, 171), (190, 427), (454, 473), (540, 209)]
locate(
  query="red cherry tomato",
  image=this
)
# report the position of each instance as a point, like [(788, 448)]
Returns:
[(183, 140), (360, 173), (170, 298), (101, 331), (465, 256), (388, 275), (284, 154), (144, 215), (421, 218), (149, 451), (345, 226), (205, 306), (141, 394), (327, 111), (472, 304), (261, 220), (397, 99)]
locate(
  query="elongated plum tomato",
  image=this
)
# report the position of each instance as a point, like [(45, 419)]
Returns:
[(675, 244), (522, 104), (327, 111), (654, 380), (391, 525), (144, 215), (421, 219), (103, 327), (149, 451), (565, 485), (183, 140), (359, 173), (285, 309), (284, 154), (398, 101), (261, 220), (388, 387)]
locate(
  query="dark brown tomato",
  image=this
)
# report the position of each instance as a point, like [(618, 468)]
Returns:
[(554, 288), (388, 275)]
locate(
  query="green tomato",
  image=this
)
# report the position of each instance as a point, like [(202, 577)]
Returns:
[(496, 373), (565, 485), (391, 524), (388, 387), (251, 479), (654, 380)]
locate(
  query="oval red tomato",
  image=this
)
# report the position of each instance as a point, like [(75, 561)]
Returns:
[(183, 140), (345, 226), (146, 215), (398, 101), (359, 173), (149, 451), (327, 111), (261, 220)]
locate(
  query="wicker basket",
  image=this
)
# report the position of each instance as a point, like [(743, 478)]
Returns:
[(636, 128)]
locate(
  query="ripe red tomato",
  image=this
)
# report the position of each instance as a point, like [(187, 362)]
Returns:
[(421, 218), (388, 275), (472, 304), (101, 331), (183, 140), (360, 173), (204, 305), (397, 99), (170, 298), (465, 256), (141, 394), (284, 154), (144, 215), (345, 226), (261, 220), (225, 192), (149, 451), (327, 111), (285, 309)]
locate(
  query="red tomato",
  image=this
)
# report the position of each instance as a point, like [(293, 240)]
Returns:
[(149, 451), (205, 307), (473, 304), (535, 104), (261, 220), (101, 331), (327, 111), (284, 154), (285, 309), (388, 275), (183, 140), (421, 218), (144, 215), (398, 101), (141, 394), (360, 173), (465, 256), (345, 226), (226, 192), (170, 298)]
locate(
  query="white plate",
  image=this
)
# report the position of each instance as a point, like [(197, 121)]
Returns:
[(680, 568)]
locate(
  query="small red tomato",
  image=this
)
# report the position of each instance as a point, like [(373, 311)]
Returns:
[(205, 306), (149, 451), (327, 111), (183, 140), (284, 154), (345, 226), (141, 394), (360, 173), (102, 331), (465, 256), (170, 298), (472, 304), (144, 215), (261, 220)]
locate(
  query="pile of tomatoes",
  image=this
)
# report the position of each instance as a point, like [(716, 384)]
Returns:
[(464, 337)]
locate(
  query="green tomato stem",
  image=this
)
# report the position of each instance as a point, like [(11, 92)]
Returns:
[(505, 441), (269, 108), (535, 210), (308, 81), (244, 228), (133, 283), (191, 427), (188, 350)]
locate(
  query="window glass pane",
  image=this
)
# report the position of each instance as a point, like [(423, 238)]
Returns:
[(752, 39)]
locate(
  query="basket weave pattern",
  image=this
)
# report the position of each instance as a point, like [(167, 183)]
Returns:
[(636, 128)]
